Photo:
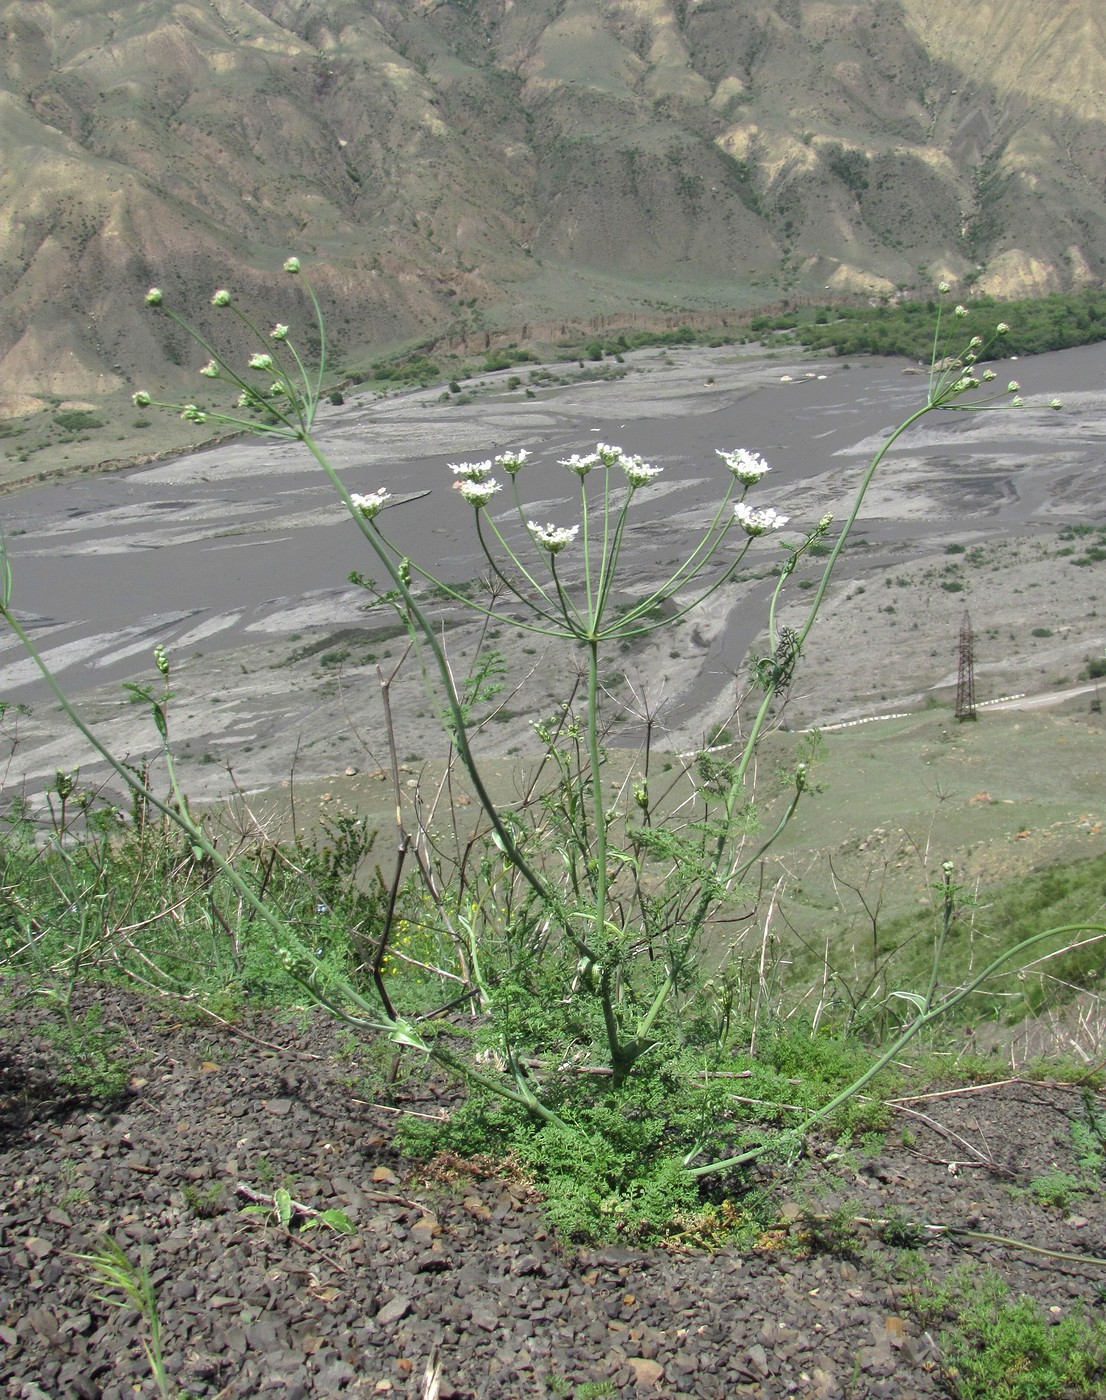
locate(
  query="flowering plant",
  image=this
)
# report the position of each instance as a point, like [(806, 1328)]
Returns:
[(605, 907)]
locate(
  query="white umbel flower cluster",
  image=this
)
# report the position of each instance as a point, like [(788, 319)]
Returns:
[(512, 462), (372, 504), (472, 471), (747, 466), (552, 538), (638, 473), (758, 522), (581, 465), (478, 493)]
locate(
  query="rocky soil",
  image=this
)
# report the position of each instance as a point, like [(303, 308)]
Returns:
[(451, 1285)]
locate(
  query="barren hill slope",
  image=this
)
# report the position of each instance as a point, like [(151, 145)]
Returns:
[(444, 166)]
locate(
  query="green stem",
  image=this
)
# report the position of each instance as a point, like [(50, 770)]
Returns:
[(598, 860), (502, 834), (737, 787), (920, 1022), (866, 481)]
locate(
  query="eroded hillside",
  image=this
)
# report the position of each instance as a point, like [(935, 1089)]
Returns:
[(446, 166)]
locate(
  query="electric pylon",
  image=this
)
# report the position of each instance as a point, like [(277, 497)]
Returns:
[(965, 673)]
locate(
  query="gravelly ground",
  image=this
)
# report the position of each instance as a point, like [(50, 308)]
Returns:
[(465, 1274)]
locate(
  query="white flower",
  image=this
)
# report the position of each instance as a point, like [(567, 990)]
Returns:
[(961, 311), (1056, 404), (511, 462), (221, 297), (371, 504), (608, 455), (943, 287), (1002, 328), (261, 362), (471, 471), (141, 399), (758, 522), (580, 465), (988, 375), (192, 414), (279, 332), (155, 296), (639, 472), (974, 343), (1017, 401), (292, 265), (210, 370), (1013, 387), (552, 537), (748, 467), (478, 493)]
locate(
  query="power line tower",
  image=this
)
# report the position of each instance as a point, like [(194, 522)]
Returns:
[(965, 672)]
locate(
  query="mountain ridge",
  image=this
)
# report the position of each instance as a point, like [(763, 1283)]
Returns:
[(448, 167)]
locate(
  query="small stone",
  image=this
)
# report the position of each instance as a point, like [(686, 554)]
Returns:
[(393, 1312), (758, 1359), (335, 1376), (646, 1373), (279, 1106), (485, 1317)]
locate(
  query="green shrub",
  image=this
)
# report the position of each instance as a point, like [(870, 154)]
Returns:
[(77, 420)]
